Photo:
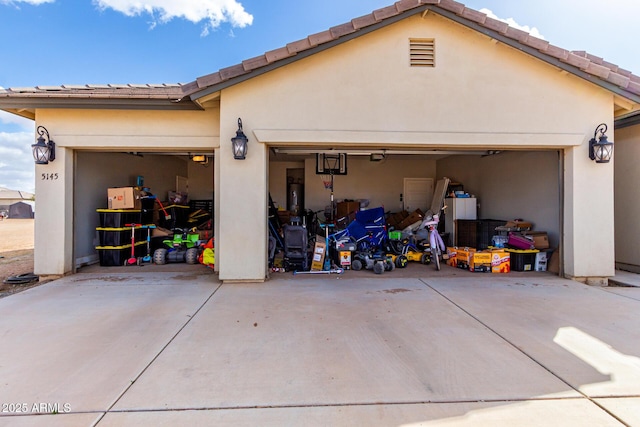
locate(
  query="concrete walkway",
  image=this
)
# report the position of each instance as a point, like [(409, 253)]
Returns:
[(168, 349)]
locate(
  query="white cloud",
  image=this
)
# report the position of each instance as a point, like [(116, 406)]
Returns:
[(34, 2), (512, 23), (12, 119), (17, 171), (212, 12)]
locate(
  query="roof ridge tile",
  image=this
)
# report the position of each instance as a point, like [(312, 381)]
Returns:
[(319, 38), (634, 87), (342, 30), (255, 62), (404, 5), (364, 21), (618, 79), (598, 70), (496, 25), (298, 45), (452, 6), (385, 12), (277, 54), (578, 61), (474, 15)]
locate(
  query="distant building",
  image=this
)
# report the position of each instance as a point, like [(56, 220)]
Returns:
[(9, 197)]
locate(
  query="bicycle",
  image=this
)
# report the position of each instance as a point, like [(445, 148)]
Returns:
[(436, 243)]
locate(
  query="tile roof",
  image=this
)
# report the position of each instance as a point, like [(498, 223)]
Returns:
[(587, 66), (128, 91)]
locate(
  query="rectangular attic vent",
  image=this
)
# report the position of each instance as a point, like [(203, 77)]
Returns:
[(422, 52)]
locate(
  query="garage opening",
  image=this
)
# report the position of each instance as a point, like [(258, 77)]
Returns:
[(176, 197), (517, 191)]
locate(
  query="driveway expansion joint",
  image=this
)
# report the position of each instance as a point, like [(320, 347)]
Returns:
[(128, 387)]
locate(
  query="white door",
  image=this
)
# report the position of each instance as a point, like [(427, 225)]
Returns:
[(417, 194)]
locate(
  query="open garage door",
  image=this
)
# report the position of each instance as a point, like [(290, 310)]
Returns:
[(504, 185), (177, 190)]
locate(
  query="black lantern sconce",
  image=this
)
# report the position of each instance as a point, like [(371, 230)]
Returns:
[(239, 143), (600, 150), (44, 151)]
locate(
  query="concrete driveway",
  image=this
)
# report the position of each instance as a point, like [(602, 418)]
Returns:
[(178, 348)]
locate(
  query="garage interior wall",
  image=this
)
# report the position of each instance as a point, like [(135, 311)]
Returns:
[(97, 171), (200, 180), (512, 185), (627, 205), (381, 182)]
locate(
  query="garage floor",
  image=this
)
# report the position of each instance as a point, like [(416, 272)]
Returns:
[(177, 348)]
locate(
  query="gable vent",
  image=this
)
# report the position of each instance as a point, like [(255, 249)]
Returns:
[(422, 52)]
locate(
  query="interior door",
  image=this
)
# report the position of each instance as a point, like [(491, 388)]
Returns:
[(418, 193)]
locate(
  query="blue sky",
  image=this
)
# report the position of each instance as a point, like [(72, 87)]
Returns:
[(55, 42)]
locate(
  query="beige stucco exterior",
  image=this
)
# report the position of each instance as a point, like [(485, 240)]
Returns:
[(363, 94), (480, 94)]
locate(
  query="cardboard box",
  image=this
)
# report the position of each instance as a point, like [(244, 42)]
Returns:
[(500, 261), (124, 198), (541, 262), (520, 224), (345, 259), (396, 218), (463, 256), (319, 252), (414, 217), (480, 262), (452, 254), (344, 209), (540, 239)]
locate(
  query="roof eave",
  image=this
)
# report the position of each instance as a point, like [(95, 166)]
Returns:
[(35, 102)]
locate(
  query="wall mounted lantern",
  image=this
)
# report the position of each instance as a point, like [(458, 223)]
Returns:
[(239, 143), (600, 150), (44, 151)]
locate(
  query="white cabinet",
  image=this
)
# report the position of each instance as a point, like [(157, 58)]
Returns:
[(458, 208)]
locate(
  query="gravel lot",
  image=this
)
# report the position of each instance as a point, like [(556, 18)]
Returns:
[(16, 252)]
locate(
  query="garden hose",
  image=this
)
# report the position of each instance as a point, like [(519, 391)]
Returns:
[(21, 279)]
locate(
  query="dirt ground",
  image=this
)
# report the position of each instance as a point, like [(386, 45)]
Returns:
[(16, 252)]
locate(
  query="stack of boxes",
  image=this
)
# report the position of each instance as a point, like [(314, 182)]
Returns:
[(127, 205), (530, 255)]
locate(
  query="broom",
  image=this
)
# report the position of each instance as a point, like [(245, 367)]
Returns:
[(167, 217)]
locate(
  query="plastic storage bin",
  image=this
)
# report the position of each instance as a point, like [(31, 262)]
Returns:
[(119, 236), (178, 217), (118, 218), (522, 259), (116, 255)]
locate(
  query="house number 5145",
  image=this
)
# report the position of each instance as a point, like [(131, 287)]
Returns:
[(49, 176)]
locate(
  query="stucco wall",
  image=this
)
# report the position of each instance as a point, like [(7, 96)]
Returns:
[(364, 94), (480, 94), (136, 130), (627, 204)]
